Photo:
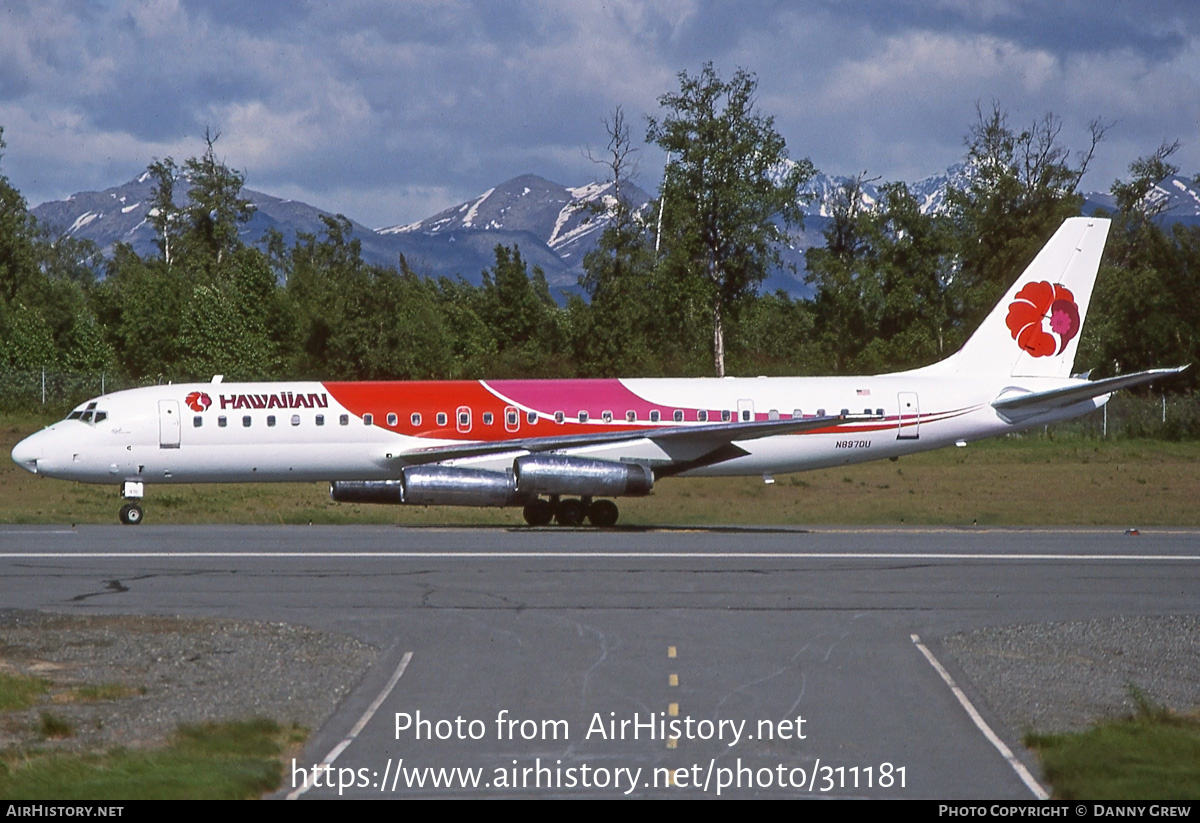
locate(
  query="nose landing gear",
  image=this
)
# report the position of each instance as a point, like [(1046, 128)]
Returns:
[(131, 513)]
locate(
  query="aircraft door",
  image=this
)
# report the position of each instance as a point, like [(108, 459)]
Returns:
[(168, 424), (908, 421), (512, 419), (745, 411)]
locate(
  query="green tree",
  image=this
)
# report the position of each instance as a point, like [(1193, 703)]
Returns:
[(17, 256), (164, 215), (216, 210), (729, 192), (881, 301), (1145, 310), (1020, 188), (522, 317), (613, 333)]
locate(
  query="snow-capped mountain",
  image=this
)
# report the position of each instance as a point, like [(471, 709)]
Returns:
[(824, 191), (1174, 200), (568, 220), (554, 225)]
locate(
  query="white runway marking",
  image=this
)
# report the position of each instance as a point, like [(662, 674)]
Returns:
[(1028, 779), (600, 555), (336, 751)]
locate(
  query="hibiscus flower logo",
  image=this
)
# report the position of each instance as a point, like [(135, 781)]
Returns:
[(198, 401), (1043, 319)]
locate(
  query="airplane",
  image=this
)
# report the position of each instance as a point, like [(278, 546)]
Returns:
[(561, 449)]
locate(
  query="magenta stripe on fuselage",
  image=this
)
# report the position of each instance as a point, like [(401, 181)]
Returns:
[(570, 396)]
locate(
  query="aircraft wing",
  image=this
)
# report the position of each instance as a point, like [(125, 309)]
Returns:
[(713, 439), (1030, 404)]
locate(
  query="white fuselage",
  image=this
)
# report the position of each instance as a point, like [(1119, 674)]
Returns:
[(304, 432)]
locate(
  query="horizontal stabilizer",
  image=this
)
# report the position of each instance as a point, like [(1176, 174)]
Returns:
[(1031, 404)]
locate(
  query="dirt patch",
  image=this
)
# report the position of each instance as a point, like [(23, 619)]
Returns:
[(131, 681)]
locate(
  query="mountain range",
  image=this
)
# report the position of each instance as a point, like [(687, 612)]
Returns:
[(553, 225)]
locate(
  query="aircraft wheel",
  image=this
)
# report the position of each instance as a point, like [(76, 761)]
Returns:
[(131, 514), (603, 513), (539, 512), (569, 513)]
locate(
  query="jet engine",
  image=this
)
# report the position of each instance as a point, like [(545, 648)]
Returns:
[(433, 486), (556, 474), (531, 475)]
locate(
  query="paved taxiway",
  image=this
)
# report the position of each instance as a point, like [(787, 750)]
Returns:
[(586, 628)]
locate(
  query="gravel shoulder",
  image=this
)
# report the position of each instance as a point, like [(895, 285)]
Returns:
[(1064, 677), (174, 671)]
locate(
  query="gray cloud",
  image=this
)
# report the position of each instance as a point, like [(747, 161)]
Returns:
[(389, 112)]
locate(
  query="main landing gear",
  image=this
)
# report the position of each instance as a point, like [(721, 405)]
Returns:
[(571, 512), (131, 513)]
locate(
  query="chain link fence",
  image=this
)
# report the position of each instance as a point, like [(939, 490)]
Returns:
[(44, 390)]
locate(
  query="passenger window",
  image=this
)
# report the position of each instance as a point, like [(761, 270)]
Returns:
[(655, 416), (879, 412), (344, 420), (510, 419), (631, 416), (488, 418), (820, 412), (796, 415), (583, 417), (606, 416), (773, 414), (726, 415), (702, 415), (678, 416), (559, 417), (845, 411), (368, 419), (415, 418), (222, 421), (246, 422), (531, 417), (441, 418), (320, 420), (270, 420), (197, 421), (392, 419), (295, 420)]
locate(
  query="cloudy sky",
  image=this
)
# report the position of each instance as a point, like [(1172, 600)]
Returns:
[(390, 112)]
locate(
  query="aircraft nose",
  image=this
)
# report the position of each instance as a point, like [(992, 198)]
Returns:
[(27, 453)]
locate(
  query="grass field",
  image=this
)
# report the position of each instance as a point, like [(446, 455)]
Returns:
[(1154, 755), (1030, 480)]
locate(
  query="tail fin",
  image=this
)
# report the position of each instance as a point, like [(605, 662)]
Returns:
[(1034, 331)]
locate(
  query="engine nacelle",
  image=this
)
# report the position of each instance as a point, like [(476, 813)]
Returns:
[(556, 474), (433, 486)]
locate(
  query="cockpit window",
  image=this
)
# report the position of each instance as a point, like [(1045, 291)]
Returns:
[(88, 414)]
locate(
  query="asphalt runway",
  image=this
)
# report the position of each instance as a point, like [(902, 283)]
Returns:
[(661, 663)]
